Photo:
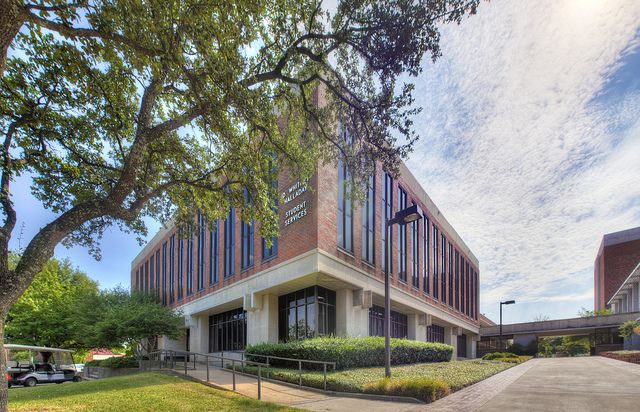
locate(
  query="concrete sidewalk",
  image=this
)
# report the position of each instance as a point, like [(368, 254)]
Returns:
[(554, 384), (290, 395), (557, 384)]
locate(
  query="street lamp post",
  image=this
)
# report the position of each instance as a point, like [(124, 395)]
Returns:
[(401, 218), (506, 302)]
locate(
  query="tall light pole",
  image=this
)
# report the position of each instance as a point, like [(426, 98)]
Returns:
[(401, 218), (506, 302)]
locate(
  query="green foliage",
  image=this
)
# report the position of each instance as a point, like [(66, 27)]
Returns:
[(120, 362), (43, 316), (585, 313), (425, 389), (95, 362), (116, 317), (499, 355), (573, 348), (627, 330), (348, 352)]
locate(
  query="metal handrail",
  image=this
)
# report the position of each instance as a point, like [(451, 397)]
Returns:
[(324, 364), (171, 354)]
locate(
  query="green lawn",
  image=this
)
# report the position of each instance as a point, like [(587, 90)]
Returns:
[(455, 375), (139, 392)]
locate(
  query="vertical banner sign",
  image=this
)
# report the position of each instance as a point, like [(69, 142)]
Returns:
[(297, 210)]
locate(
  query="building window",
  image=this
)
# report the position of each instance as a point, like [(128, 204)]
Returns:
[(450, 268), (402, 238), (172, 265), (472, 300), (246, 234), (307, 313), (435, 333), (436, 285), (476, 292), (425, 255), (142, 277), (164, 274), (443, 279), (466, 292), (229, 244), (415, 272), (151, 274), (180, 271), (213, 253), (202, 239), (369, 223), (345, 211), (462, 346), (228, 331), (272, 251), (376, 323), (146, 276), (387, 211), (157, 288), (462, 264), (190, 262), (457, 268), (137, 279)]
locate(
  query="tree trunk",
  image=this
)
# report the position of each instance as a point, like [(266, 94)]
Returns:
[(10, 23), (4, 389)]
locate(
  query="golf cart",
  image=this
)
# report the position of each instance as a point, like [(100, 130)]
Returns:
[(31, 365)]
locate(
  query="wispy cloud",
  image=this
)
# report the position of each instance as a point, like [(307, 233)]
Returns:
[(531, 144)]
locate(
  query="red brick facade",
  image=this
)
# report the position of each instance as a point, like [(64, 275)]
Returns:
[(617, 258), (317, 228)]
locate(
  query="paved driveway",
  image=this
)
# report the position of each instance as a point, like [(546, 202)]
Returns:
[(558, 384)]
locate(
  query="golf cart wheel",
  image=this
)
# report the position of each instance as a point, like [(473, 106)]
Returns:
[(30, 383), (77, 379)]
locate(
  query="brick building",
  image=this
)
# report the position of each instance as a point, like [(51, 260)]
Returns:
[(323, 275), (617, 261)]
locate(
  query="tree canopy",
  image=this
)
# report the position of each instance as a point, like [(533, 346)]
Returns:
[(44, 314), (119, 317), (126, 109)]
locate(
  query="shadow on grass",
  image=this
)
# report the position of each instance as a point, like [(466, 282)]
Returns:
[(133, 381)]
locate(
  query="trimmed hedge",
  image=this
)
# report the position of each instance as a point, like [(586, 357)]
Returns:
[(427, 390), (498, 355), (119, 362), (350, 352), (95, 362)]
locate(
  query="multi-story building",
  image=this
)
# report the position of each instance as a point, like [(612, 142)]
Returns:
[(323, 275), (617, 272)]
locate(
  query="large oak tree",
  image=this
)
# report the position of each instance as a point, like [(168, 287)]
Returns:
[(125, 109)]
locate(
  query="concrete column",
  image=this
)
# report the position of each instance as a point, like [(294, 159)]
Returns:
[(262, 324), (471, 345), (623, 305), (200, 335), (451, 339), (635, 297), (351, 318), (412, 327)]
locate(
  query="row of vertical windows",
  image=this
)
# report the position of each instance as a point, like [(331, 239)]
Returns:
[(376, 323), (246, 234), (171, 274), (228, 331), (230, 244), (307, 313), (446, 280), (435, 333)]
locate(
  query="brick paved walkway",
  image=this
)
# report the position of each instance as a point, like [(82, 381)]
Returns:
[(474, 396)]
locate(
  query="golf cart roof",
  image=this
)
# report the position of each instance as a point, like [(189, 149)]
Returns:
[(38, 348)]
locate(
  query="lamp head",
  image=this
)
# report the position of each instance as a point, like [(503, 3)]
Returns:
[(508, 302)]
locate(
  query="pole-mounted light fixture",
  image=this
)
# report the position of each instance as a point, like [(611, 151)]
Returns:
[(402, 217), (506, 302)]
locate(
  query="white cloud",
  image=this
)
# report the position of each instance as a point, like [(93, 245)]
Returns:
[(518, 151)]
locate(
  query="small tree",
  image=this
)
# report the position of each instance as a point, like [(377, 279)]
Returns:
[(627, 330), (585, 313), (118, 317)]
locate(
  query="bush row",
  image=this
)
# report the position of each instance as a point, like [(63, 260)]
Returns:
[(427, 390), (115, 362), (499, 355), (350, 352)]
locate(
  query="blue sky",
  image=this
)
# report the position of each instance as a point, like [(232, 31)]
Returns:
[(530, 146)]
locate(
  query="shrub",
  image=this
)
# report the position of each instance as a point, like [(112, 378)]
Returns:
[(119, 362), (499, 355), (95, 362), (427, 390), (349, 352)]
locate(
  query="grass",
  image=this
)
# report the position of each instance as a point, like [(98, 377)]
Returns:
[(448, 376), (138, 392), (624, 352)]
